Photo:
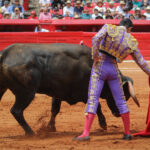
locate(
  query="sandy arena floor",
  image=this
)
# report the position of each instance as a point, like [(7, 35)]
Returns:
[(70, 122)]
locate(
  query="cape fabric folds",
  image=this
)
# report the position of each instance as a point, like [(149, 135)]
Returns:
[(146, 132)]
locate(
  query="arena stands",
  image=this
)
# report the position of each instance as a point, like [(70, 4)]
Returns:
[(70, 21), (77, 9)]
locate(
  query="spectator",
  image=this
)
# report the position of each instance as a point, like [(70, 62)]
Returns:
[(78, 8), (17, 4), (126, 13), (32, 15), (21, 2), (145, 3), (45, 15), (77, 16), (68, 9), (1, 1), (137, 14), (39, 29), (17, 14), (6, 7), (41, 9), (143, 17), (68, 16), (6, 15), (109, 17), (116, 1), (96, 14), (57, 4), (136, 4), (111, 7), (131, 17), (147, 13), (100, 7), (44, 3), (86, 14), (56, 15), (128, 5), (119, 16), (107, 13), (1, 16), (99, 17), (119, 9), (89, 6)]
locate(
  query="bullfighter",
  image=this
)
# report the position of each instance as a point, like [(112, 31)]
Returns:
[(110, 45)]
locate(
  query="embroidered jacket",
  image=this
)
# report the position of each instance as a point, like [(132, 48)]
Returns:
[(117, 42)]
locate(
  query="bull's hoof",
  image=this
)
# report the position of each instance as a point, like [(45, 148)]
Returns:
[(51, 129), (29, 134), (116, 114), (103, 125), (127, 137)]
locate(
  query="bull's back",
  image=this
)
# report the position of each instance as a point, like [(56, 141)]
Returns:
[(62, 69)]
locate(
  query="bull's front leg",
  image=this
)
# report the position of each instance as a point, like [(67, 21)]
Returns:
[(101, 117), (55, 108)]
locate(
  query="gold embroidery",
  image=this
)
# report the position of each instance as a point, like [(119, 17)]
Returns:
[(112, 30), (132, 42)]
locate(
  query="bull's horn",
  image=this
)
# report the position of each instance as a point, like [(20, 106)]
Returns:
[(132, 93)]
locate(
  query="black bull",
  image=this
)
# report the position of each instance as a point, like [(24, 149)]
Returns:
[(58, 70)]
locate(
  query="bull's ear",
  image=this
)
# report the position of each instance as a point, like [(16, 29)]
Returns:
[(132, 93)]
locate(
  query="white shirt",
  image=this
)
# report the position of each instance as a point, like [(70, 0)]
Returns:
[(44, 2), (100, 9), (4, 9), (119, 10), (112, 9), (70, 10), (94, 16), (147, 15)]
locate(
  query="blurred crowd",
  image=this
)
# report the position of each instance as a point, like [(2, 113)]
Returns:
[(11, 9), (79, 9), (94, 9)]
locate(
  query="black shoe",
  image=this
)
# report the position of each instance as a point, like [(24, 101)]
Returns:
[(86, 138), (127, 137)]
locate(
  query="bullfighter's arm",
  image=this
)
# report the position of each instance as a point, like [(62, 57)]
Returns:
[(140, 61), (97, 39)]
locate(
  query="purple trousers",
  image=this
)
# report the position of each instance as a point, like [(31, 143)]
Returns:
[(106, 69)]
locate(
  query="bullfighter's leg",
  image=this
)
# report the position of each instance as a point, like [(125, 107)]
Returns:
[(101, 117), (95, 88), (22, 101), (55, 108), (118, 94), (110, 100)]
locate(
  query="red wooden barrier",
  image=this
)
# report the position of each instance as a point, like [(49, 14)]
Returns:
[(25, 25), (66, 37), (20, 25)]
